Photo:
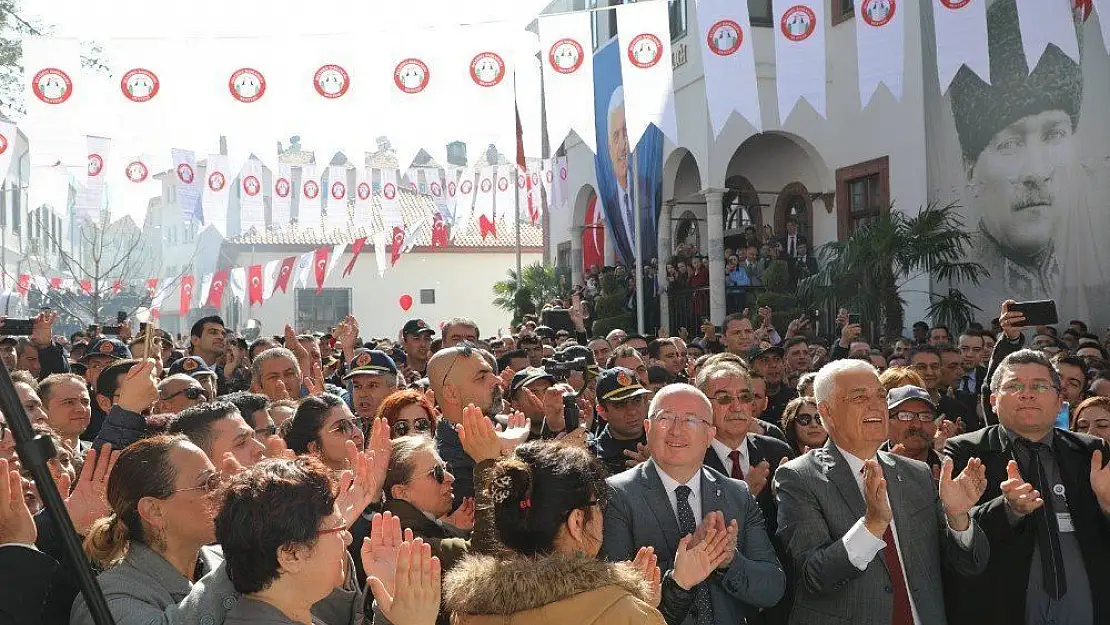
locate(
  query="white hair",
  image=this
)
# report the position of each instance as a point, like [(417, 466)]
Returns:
[(615, 101), (825, 381), (678, 389)]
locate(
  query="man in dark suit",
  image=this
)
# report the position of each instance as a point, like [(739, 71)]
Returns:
[(792, 241), (679, 492), (1046, 511), (866, 529), (25, 572)]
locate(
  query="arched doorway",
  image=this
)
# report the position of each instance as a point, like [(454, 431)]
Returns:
[(794, 201), (593, 235), (742, 211), (687, 235)]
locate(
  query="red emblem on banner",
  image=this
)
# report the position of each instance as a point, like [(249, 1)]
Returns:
[(502, 184), (96, 165), (452, 188), (521, 181), (724, 37), (247, 85), (338, 190), (487, 69), (363, 190), (282, 187), (217, 181), (331, 81), (437, 191), (52, 85), (185, 173), (955, 4), (251, 185), (3, 143), (139, 85), (486, 185), (389, 190), (311, 189), (467, 187), (566, 56), (563, 172), (878, 13), (411, 75), (645, 50), (136, 171), (550, 175), (798, 22)]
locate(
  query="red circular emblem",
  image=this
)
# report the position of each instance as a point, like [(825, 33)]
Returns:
[(486, 185), (955, 4), (411, 75), (251, 185), (136, 171), (331, 81), (452, 187), (724, 37), (535, 179), (562, 173), (466, 187), (502, 184), (389, 190), (645, 50), (139, 85), (282, 187), (311, 189), (217, 181), (107, 348), (3, 143), (798, 23), (247, 85), (362, 360), (52, 85), (623, 379), (185, 173), (566, 56), (96, 164), (437, 191), (338, 190), (521, 181), (363, 190), (878, 13), (550, 175), (487, 69)]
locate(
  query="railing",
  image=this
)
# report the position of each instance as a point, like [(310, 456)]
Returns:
[(689, 307)]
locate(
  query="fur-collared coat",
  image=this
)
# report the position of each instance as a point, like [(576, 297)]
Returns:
[(555, 589)]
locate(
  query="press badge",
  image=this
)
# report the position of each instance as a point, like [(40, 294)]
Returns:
[(1063, 521)]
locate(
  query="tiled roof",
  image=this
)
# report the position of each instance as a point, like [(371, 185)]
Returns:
[(416, 209)]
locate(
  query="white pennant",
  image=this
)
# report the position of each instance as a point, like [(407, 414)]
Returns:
[(214, 195), (1044, 22), (337, 196), (308, 204), (89, 201), (644, 34), (8, 134), (728, 60), (568, 76), (547, 175), (391, 199), (304, 268), (535, 195), (252, 211), (333, 260), (450, 192), (379, 252), (205, 288), (799, 28), (561, 182), (1102, 8), (186, 180), (364, 192), (961, 35), (484, 193), (880, 42), (505, 195), (238, 279), (281, 197), (270, 273), (464, 204)]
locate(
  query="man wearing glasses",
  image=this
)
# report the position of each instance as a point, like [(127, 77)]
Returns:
[(912, 425), (178, 392)]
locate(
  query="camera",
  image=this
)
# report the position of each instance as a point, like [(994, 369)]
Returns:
[(566, 361)]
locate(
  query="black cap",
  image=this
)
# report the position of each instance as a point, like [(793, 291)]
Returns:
[(192, 366), (416, 326), (371, 362), (618, 384), (110, 347), (764, 349), (526, 376)]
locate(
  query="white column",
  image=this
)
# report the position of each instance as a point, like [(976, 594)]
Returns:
[(576, 255), (715, 220), (666, 249)]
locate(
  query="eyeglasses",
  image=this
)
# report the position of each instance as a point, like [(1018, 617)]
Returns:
[(347, 427), (906, 415), (1039, 388), (438, 472), (211, 484), (670, 421), (402, 428), (191, 392), (464, 349), (724, 399), (269, 430), (804, 419)]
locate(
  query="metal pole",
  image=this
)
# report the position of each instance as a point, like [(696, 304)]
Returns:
[(516, 215), (639, 244)]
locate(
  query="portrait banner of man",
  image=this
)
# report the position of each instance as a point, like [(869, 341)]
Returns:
[(1035, 147)]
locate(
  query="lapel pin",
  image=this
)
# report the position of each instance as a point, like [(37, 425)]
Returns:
[(717, 492)]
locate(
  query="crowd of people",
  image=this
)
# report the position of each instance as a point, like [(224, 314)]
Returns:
[(558, 476)]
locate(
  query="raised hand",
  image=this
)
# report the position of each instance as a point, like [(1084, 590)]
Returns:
[(276, 448), (304, 359), (463, 516), (514, 435), (647, 563), (139, 389), (418, 587), (360, 485), (946, 429), (756, 477), (379, 550), (16, 524), (1011, 322), (553, 409), (1020, 495), (478, 438), (634, 458), (878, 516), (899, 450), (42, 328), (89, 499), (960, 494), (1100, 481), (230, 466), (692, 565), (506, 378)]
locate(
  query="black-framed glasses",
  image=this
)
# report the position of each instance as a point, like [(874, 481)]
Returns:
[(211, 484), (190, 392), (438, 473), (347, 427), (465, 349), (804, 419), (907, 415), (402, 428)]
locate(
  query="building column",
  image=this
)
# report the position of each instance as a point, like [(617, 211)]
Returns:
[(576, 233), (715, 221), (664, 253)]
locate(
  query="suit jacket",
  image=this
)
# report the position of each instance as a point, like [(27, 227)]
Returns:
[(25, 577), (753, 580), (998, 596), (784, 241), (819, 501), (760, 448)]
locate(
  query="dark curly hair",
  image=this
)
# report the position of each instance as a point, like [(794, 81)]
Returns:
[(304, 427), (276, 504), (533, 492)]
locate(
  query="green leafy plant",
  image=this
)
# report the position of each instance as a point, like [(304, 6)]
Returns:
[(611, 307), (525, 296)]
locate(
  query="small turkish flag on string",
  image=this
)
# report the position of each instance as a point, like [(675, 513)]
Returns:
[(24, 284), (397, 245), (254, 282), (320, 267), (286, 270), (486, 226), (216, 291), (186, 294), (439, 231), (56, 284), (356, 249), (117, 287), (86, 286), (151, 286)]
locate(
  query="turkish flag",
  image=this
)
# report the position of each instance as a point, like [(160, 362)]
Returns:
[(117, 287), (439, 231), (486, 226), (286, 270), (186, 294), (216, 291), (254, 282), (56, 284), (151, 286), (24, 284), (86, 286), (397, 245), (320, 265), (356, 249)]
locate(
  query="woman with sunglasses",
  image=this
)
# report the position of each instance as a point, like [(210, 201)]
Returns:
[(802, 425), (408, 412), (322, 426)]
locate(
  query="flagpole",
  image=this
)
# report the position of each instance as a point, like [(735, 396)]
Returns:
[(516, 203), (639, 262)]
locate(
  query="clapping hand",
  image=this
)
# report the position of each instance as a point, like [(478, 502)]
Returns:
[(139, 389), (16, 524), (1100, 481), (514, 434), (878, 516), (379, 550), (647, 563), (692, 565), (756, 477), (417, 589), (634, 458), (463, 516), (960, 494), (361, 485), (1020, 495), (89, 499), (479, 440)]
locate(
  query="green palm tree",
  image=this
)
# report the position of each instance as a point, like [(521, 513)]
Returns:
[(539, 286), (867, 272)]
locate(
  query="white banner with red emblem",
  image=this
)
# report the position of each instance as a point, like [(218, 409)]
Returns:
[(479, 72), (337, 196), (799, 29), (484, 193), (450, 192), (644, 34), (1042, 23), (8, 134), (281, 199), (136, 168), (308, 205), (330, 90), (252, 210), (216, 191), (728, 59), (188, 186), (364, 193), (535, 195), (391, 198), (880, 45), (961, 37), (271, 271), (56, 96), (568, 77), (416, 81), (464, 203), (152, 79), (560, 183), (505, 207), (88, 200)]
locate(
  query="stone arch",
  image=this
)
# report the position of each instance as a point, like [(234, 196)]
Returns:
[(678, 167), (795, 200), (581, 202)]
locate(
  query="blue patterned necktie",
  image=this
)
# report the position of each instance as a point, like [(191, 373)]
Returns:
[(687, 525)]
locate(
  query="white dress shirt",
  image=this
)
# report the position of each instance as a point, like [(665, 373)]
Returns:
[(695, 493), (723, 451)]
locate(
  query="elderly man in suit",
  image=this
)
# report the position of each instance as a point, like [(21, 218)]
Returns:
[(678, 491), (866, 529)]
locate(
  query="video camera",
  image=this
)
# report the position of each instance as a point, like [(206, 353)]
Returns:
[(566, 361)]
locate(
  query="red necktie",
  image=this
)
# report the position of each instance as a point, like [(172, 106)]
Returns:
[(737, 472), (903, 614)]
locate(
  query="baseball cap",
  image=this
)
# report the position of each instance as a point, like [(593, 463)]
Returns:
[(764, 349), (526, 376), (618, 384), (371, 362), (191, 366), (416, 326), (110, 347), (898, 396)]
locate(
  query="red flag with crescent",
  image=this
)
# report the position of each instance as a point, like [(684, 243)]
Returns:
[(24, 284), (356, 249), (151, 286), (397, 245), (320, 266), (254, 284), (216, 291), (286, 270), (186, 294), (486, 226), (439, 231), (86, 286), (117, 287), (56, 284)]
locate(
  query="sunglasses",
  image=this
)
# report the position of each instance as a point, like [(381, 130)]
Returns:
[(211, 484), (464, 349), (402, 428), (191, 392), (438, 473), (906, 415), (347, 427), (804, 419)]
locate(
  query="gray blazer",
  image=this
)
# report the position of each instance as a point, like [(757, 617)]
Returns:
[(819, 501), (145, 589), (640, 514)]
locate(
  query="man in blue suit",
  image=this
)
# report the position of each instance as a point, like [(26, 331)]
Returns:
[(679, 493)]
